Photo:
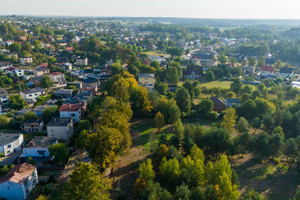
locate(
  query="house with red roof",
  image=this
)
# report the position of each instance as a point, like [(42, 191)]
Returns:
[(18, 182), (71, 111)]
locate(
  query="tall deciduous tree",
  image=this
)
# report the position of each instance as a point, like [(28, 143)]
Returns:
[(229, 119), (183, 99), (159, 120), (87, 183)]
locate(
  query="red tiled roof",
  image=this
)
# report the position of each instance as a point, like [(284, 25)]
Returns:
[(70, 107), (56, 73), (268, 68), (19, 173), (43, 65)]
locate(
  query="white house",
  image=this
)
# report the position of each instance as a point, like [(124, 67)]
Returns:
[(32, 94), (83, 61), (60, 128), (10, 143), (31, 126), (4, 65), (58, 77), (71, 111), (3, 96), (14, 70), (26, 61), (38, 147), (18, 182)]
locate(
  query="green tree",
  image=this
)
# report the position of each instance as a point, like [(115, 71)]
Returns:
[(83, 125), (146, 170), (60, 153), (179, 129), (229, 119), (183, 99), (210, 76), (174, 113), (223, 59), (169, 172), (87, 183), (46, 82), (16, 102), (161, 87), (15, 47), (205, 107), (236, 86), (242, 125), (261, 61), (251, 61), (159, 120), (140, 102), (290, 148), (173, 76)]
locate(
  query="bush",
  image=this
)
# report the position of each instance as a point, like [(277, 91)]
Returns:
[(213, 116), (48, 189)]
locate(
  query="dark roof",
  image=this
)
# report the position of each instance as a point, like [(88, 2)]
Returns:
[(8, 138), (56, 121), (33, 122), (89, 80), (41, 142), (286, 70), (62, 60), (217, 101), (237, 101)]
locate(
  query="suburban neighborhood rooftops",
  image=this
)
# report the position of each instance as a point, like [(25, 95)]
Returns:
[(56, 73), (268, 68), (33, 90), (8, 138), (56, 121), (3, 92), (286, 70), (217, 101), (19, 173), (33, 122), (41, 142)]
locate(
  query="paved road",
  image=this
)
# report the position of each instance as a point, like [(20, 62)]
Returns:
[(8, 160)]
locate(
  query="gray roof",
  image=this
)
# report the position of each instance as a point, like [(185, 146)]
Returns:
[(56, 121), (147, 75), (41, 142), (3, 92), (8, 138)]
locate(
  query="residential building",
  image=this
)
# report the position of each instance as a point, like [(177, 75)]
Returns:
[(219, 105), (26, 61), (147, 80), (38, 148), (232, 102), (267, 70), (10, 143), (40, 71), (23, 111), (31, 95), (40, 109), (31, 126), (192, 73), (67, 66), (82, 61), (58, 77), (18, 182), (4, 65), (14, 70), (287, 72), (64, 93), (78, 85), (71, 111), (3, 96), (60, 128)]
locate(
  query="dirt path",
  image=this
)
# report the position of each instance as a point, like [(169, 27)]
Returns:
[(126, 168)]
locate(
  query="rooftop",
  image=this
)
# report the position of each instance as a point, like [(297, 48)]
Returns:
[(33, 90), (3, 92), (41, 142), (70, 107), (56, 121), (147, 75), (19, 173), (8, 138)]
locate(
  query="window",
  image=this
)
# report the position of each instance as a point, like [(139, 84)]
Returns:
[(72, 115), (8, 146)]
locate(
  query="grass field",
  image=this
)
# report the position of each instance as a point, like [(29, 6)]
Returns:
[(153, 53), (220, 84)]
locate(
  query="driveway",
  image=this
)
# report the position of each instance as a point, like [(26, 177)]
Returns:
[(8, 160)]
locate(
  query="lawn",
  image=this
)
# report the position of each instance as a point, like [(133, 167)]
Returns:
[(153, 53), (217, 84)]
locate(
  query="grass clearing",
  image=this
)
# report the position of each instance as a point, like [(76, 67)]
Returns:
[(154, 53)]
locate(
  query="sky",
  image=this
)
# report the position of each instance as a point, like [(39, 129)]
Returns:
[(245, 9)]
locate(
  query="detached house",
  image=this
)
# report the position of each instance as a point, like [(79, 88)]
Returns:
[(71, 111), (31, 95), (147, 80), (14, 70), (18, 182), (40, 71), (267, 71), (31, 126), (58, 77), (287, 72), (10, 143), (4, 65), (82, 61), (3, 96), (219, 105), (26, 61), (60, 128)]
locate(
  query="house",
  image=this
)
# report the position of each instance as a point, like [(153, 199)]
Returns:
[(82, 61), (78, 85), (64, 93), (219, 105), (38, 148), (147, 80), (10, 143), (18, 182), (192, 73), (39, 110), (287, 72), (31, 126), (67, 66), (3, 96), (62, 60), (231, 102), (23, 111), (14, 70), (9, 42), (35, 80), (267, 70), (40, 71), (26, 60), (58, 77), (61, 128), (4, 65), (31, 95), (71, 111), (249, 69)]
